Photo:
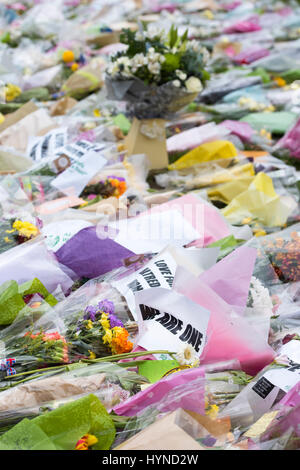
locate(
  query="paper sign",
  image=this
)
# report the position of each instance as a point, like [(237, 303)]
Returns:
[(47, 145), (60, 204), (160, 271), (152, 232), (77, 176), (58, 233), (170, 321)]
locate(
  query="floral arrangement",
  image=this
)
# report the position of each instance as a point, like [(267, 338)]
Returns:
[(157, 73), (71, 61), (52, 347), (100, 332), (259, 300), (16, 232), (284, 255), (112, 186)]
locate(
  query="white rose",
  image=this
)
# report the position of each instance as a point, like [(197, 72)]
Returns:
[(193, 85), (139, 36), (181, 75), (154, 68), (176, 83)]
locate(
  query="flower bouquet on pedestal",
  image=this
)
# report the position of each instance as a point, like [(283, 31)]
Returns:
[(156, 75)]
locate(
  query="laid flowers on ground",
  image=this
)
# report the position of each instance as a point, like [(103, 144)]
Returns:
[(164, 72)]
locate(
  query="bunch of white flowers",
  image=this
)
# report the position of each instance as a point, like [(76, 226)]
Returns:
[(154, 61), (259, 299)]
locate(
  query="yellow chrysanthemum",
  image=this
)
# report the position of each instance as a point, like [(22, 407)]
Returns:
[(12, 91), (25, 229), (68, 56)]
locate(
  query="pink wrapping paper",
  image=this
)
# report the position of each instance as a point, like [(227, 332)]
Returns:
[(251, 55), (192, 401), (241, 129), (231, 6), (230, 278), (291, 140), (291, 399), (228, 336), (203, 217), (246, 26)]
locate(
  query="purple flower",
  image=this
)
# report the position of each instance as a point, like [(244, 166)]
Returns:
[(119, 178), (114, 321), (106, 306), (91, 196), (90, 313)]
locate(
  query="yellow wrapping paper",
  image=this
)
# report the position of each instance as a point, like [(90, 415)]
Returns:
[(261, 203), (228, 191), (209, 151)]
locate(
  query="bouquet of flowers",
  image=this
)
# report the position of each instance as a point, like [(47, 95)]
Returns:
[(99, 332), (157, 74), (112, 186), (282, 250), (15, 232)]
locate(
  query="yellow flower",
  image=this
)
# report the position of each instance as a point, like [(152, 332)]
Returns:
[(92, 355), (213, 411), (246, 220), (7, 240), (91, 440), (97, 113), (10, 231), (74, 67), (107, 338), (25, 229), (260, 233), (68, 56), (280, 81), (209, 15), (12, 91), (2, 118), (89, 325), (104, 321)]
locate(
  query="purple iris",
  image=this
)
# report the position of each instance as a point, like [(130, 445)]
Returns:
[(114, 321), (106, 306), (90, 313)]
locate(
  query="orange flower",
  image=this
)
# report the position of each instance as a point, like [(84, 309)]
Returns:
[(68, 56), (119, 342)]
